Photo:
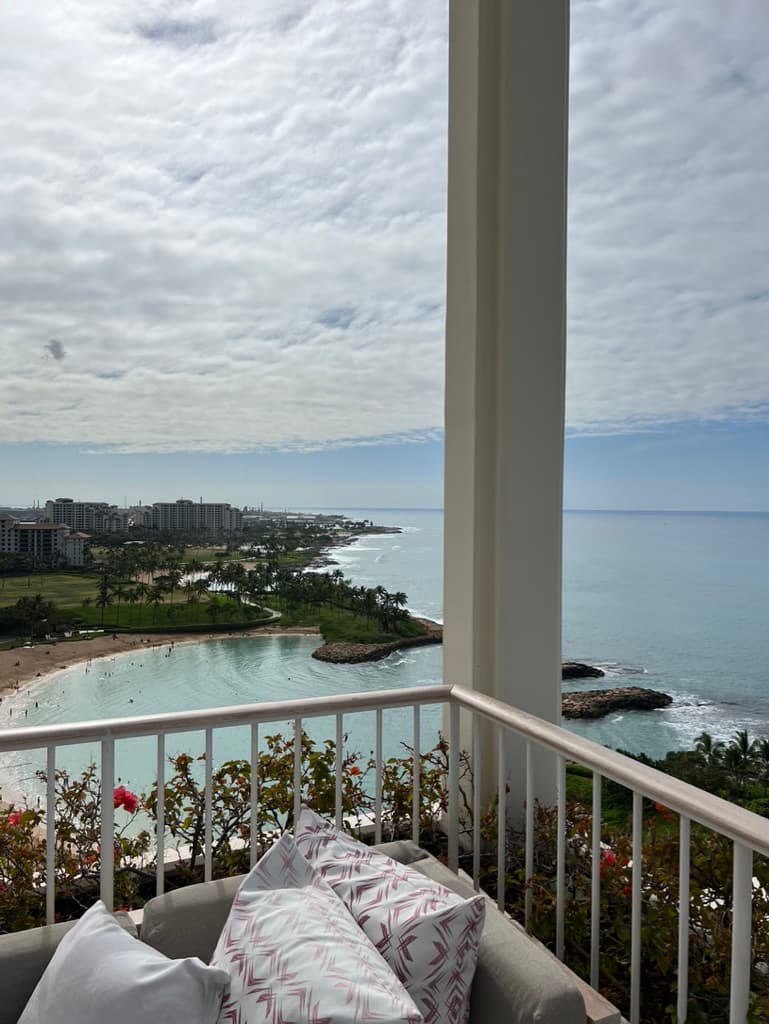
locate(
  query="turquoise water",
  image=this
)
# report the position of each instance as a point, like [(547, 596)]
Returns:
[(676, 602), (673, 602)]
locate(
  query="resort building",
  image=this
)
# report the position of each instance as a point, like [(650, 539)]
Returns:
[(184, 514), (95, 516), (51, 542)]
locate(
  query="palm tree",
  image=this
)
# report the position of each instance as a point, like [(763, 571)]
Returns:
[(761, 761), (132, 596), (156, 596), (710, 750), (104, 595), (739, 756)]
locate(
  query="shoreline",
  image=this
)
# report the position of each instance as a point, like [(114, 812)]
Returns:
[(24, 665)]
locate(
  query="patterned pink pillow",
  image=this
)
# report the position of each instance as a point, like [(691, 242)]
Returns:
[(428, 935), (294, 954)]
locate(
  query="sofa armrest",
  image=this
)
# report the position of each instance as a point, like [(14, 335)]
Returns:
[(517, 981)]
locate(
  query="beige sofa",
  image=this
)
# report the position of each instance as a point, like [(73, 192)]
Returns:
[(516, 982)]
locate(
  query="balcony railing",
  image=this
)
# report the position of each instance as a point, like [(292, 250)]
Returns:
[(747, 832)]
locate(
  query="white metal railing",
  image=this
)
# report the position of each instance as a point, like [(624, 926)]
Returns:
[(748, 832)]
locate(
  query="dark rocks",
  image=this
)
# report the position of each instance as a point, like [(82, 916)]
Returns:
[(577, 670), (597, 703)]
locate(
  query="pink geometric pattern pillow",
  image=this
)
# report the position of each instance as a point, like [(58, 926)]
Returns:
[(427, 934), (295, 955)]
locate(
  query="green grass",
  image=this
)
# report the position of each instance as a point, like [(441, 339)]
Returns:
[(179, 615), (63, 588), (340, 625)]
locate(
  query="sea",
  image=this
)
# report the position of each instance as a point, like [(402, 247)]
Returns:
[(672, 601)]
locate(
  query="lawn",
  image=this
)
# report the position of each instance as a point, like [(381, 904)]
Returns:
[(63, 588)]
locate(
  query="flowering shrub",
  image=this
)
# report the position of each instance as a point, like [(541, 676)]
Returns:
[(709, 915), (78, 861)]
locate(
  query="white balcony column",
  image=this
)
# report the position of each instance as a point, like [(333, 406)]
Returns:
[(505, 358)]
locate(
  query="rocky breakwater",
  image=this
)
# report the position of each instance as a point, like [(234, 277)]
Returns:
[(579, 670), (347, 653), (597, 703)]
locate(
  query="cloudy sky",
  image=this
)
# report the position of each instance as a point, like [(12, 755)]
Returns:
[(222, 234)]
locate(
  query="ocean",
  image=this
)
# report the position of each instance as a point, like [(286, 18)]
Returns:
[(676, 602)]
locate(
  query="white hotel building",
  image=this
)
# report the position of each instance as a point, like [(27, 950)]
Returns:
[(184, 514)]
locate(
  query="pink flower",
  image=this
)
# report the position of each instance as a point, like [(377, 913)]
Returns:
[(14, 818), (125, 798), (608, 857), (130, 801)]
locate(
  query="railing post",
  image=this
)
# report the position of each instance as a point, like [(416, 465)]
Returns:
[(208, 853), (160, 816), (501, 818), (684, 839), (529, 839), (379, 770), (338, 760), (416, 796), (254, 794), (454, 786), (107, 859), (560, 885), (595, 885), (635, 912), (297, 769), (50, 836), (739, 996)]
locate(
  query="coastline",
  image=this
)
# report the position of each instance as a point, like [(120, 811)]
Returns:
[(27, 664)]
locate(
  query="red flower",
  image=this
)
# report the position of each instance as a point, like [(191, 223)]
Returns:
[(608, 857), (125, 798), (355, 770), (130, 802), (14, 818)]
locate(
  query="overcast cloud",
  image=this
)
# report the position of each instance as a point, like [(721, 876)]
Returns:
[(222, 226)]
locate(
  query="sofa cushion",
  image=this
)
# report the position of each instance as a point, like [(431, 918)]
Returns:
[(293, 953), (101, 973), (428, 935)]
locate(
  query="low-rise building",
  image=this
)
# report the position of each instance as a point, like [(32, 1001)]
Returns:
[(51, 542)]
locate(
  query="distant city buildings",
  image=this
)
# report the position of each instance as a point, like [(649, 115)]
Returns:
[(213, 517), (60, 533), (49, 542), (96, 516)]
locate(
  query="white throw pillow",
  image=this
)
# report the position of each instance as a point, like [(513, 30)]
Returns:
[(294, 953), (428, 935), (99, 973)]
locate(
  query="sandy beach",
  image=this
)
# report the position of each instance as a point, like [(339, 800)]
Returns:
[(23, 664)]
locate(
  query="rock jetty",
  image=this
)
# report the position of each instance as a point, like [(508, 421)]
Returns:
[(348, 653), (597, 703), (578, 670)]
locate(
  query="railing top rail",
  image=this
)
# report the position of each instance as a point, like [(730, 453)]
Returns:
[(712, 811), (37, 737)]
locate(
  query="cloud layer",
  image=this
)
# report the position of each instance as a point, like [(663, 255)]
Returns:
[(223, 226)]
